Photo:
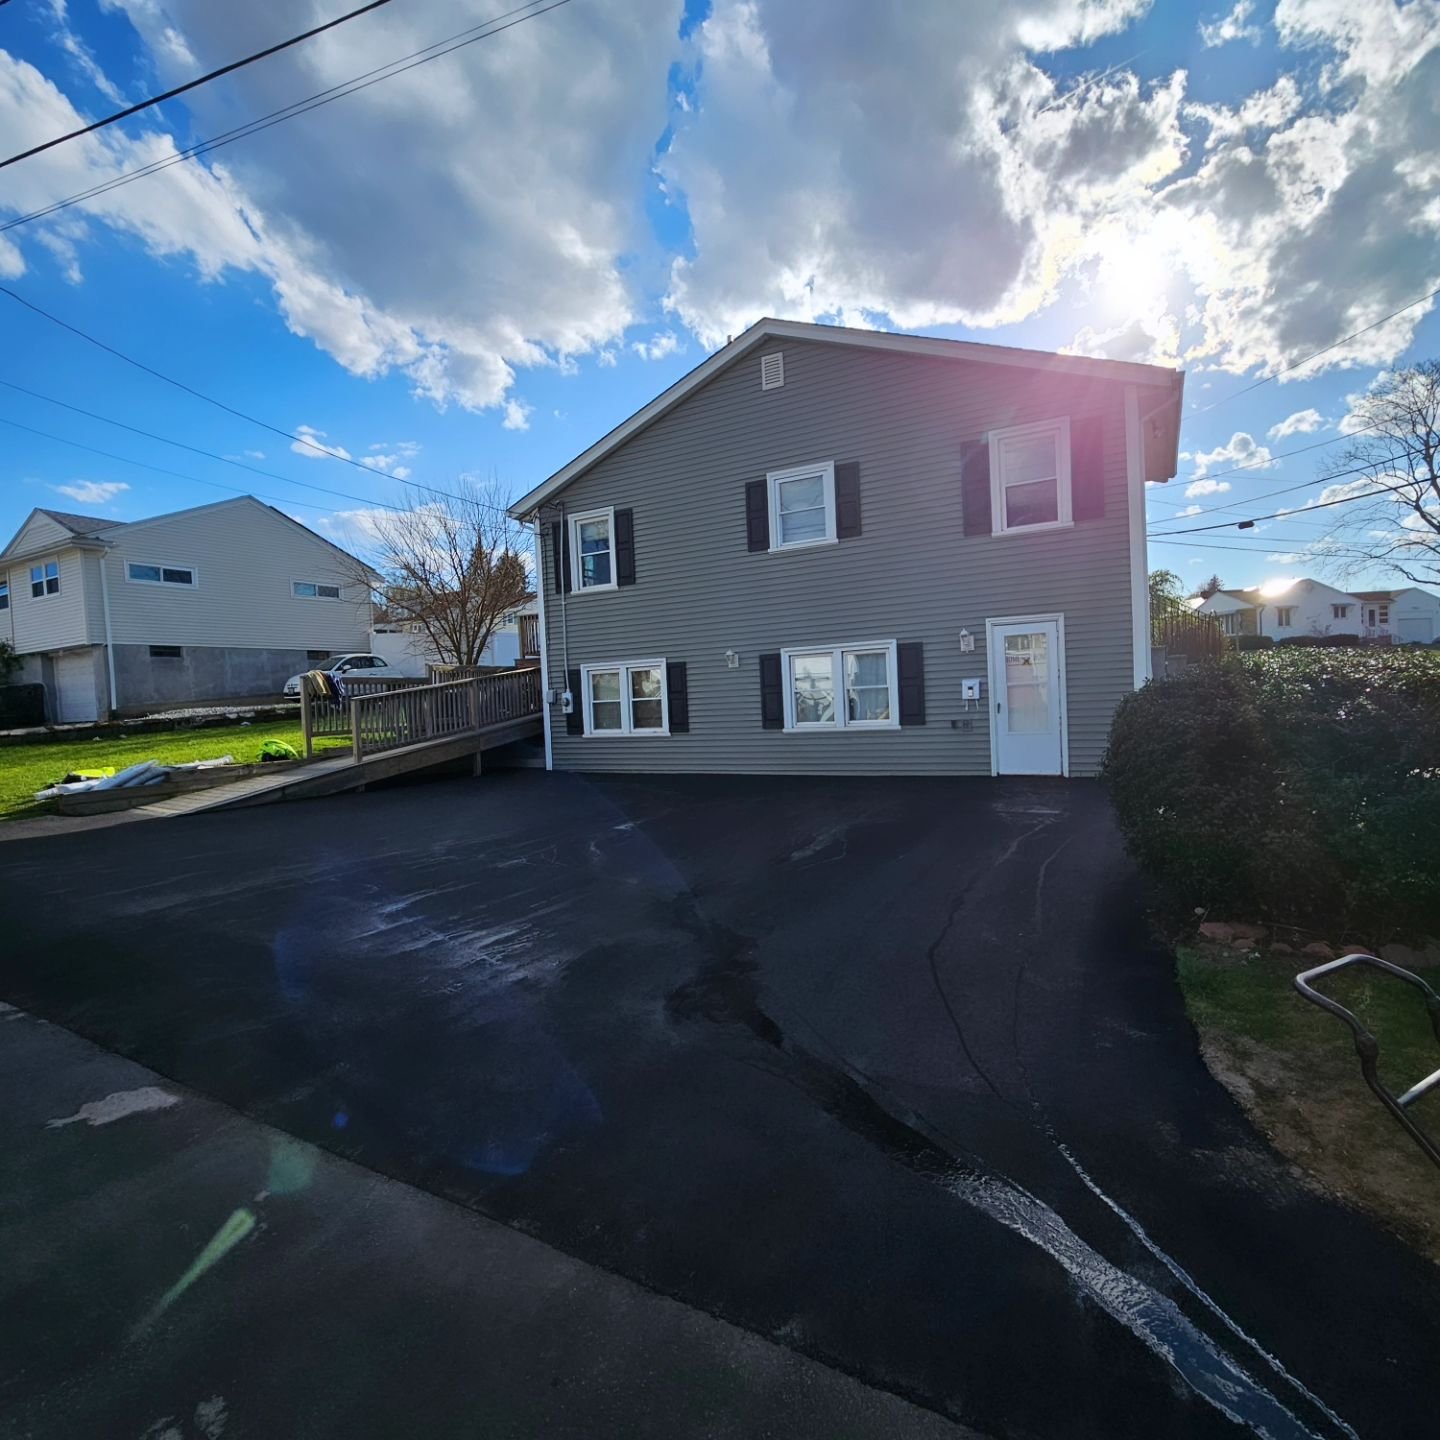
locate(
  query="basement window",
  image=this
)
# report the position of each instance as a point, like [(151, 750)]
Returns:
[(166, 652)]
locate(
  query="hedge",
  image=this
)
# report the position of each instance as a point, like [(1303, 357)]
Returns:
[(1298, 786)]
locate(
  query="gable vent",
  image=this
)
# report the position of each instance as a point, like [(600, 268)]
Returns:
[(772, 370)]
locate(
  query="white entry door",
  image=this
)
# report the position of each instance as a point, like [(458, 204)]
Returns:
[(75, 688), (1027, 695)]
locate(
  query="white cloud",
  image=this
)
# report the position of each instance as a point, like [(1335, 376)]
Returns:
[(1189, 510), (255, 454), (1233, 26), (311, 444), (657, 347), (606, 358), (1287, 557), (528, 244), (1302, 422), (92, 492), (1242, 449), (1206, 487), (517, 415), (81, 54)]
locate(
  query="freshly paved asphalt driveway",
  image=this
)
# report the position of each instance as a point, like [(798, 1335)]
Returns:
[(886, 1072)]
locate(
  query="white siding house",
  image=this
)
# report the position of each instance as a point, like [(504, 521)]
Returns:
[(1405, 616), (409, 652), (223, 601), (1302, 607)]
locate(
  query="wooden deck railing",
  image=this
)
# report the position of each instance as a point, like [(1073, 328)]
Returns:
[(397, 718), (321, 717)]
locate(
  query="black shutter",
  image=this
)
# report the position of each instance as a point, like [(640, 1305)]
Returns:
[(975, 486), (847, 500), (757, 515), (624, 547), (575, 720), (1087, 469), (910, 662), (677, 694), (560, 555), (772, 703)]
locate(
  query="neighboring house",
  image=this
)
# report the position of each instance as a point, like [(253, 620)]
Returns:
[(1311, 607), (832, 551), (220, 602), (1300, 607), (1404, 616), (515, 639)]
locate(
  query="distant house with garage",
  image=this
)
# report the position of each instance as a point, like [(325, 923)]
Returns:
[(219, 602), (839, 551), (1303, 607)]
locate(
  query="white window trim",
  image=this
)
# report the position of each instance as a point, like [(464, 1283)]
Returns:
[(5, 594), (837, 672), (627, 730), (329, 599), (1281, 611), (162, 566), (1060, 427), (44, 593), (575, 521), (775, 478)]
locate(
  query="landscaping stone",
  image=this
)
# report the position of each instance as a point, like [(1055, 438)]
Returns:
[(1279, 947), (1248, 932), (1241, 943), (1215, 930), (1318, 950), (1406, 957), (1357, 950)]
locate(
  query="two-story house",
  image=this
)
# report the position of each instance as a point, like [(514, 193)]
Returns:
[(220, 602), (829, 550)]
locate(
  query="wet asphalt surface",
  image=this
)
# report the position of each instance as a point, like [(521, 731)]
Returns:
[(890, 1072)]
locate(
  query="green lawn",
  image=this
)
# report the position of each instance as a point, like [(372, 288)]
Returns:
[(24, 769), (1294, 1068)]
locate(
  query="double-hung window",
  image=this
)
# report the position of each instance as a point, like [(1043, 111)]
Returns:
[(139, 573), (846, 687), (1030, 477), (4, 594), (1340, 612), (802, 506), (45, 579), (313, 590), (592, 548), (625, 699), (1285, 616)]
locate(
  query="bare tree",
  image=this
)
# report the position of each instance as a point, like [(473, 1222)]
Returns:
[(1394, 460), (1210, 587), (452, 565)]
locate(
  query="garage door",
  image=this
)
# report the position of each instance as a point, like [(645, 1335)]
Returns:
[(1415, 627), (75, 688)]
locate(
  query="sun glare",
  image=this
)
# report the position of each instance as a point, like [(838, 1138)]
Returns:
[(1277, 586), (1134, 271)]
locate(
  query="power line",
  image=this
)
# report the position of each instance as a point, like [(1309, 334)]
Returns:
[(1314, 355), (1279, 514), (1290, 490), (357, 83), (161, 470), (191, 84), (219, 404)]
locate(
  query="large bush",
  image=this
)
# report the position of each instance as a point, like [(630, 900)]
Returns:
[(1299, 786)]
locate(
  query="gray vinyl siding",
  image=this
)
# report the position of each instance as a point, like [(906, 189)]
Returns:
[(911, 575)]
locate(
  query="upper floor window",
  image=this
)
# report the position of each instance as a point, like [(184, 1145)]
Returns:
[(802, 505), (626, 699), (1030, 476), (1285, 615), (139, 573), (1340, 612), (313, 590), (846, 687), (4, 594), (592, 543), (45, 579)]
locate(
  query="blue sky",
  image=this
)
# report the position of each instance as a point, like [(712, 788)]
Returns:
[(478, 267)]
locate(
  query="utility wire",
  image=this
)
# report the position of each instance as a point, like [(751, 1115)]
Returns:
[(363, 81), (192, 84), (1281, 514), (219, 404), (161, 470), (1324, 350)]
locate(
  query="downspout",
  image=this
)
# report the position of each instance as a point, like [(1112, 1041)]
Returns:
[(109, 644), (544, 647)]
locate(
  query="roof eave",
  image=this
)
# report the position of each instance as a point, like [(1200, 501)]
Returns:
[(1117, 370)]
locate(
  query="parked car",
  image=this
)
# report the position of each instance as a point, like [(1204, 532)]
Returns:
[(355, 663)]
